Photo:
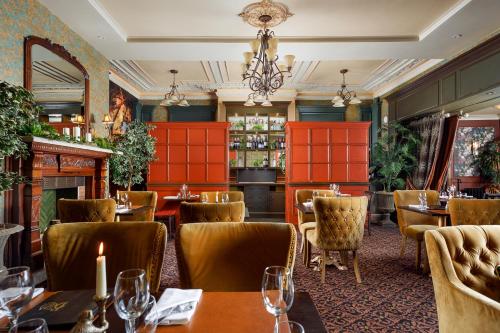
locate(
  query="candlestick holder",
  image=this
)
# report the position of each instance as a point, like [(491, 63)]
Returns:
[(101, 310)]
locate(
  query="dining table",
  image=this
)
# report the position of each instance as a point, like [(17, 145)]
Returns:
[(127, 211), (438, 211), (177, 199), (242, 312)]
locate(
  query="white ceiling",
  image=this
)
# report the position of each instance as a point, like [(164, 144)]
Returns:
[(383, 43)]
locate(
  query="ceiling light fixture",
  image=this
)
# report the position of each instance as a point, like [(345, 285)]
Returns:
[(345, 96), (173, 97), (456, 36), (261, 67)]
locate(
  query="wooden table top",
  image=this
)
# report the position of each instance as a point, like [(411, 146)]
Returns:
[(431, 211), (128, 211), (223, 312)]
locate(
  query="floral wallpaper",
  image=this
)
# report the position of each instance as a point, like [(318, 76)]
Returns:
[(20, 18), (467, 143)]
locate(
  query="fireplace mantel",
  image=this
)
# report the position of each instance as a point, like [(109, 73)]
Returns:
[(51, 158)]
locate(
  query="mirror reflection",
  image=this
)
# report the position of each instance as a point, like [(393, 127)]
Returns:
[(58, 86)]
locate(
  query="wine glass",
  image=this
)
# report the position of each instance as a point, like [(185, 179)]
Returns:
[(16, 291), (277, 292), (148, 321), (315, 194), (124, 197), (290, 327), (36, 325), (225, 197), (422, 198), (131, 296)]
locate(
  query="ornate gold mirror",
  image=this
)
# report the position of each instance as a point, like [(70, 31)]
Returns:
[(59, 82)]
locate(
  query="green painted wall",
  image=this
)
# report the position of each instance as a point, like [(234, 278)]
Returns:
[(20, 18)]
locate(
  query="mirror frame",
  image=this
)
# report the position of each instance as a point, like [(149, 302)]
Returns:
[(59, 50)]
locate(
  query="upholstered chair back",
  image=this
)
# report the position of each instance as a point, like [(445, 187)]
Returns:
[(232, 256), (410, 197), (302, 196), (340, 222), (475, 211), (146, 199), (462, 261), (212, 212), (92, 210), (234, 196), (70, 251)]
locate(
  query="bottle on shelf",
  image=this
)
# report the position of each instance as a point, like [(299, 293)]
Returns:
[(265, 162), (265, 143), (231, 144)]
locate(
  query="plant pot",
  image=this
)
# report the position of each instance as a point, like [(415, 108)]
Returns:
[(382, 206), (5, 231)]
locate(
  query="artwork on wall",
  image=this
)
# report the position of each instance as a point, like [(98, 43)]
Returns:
[(467, 144), (121, 108)]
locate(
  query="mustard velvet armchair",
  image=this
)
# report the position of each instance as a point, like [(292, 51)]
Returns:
[(462, 261), (90, 210), (340, 226), (146, 199), (232, 256), (475, 211), (70, 251), (307, 221), (212, 212), (234, 196), (414, 225)]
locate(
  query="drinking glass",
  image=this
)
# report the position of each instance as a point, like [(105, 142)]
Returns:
[(290, 327), (422, 198), (315, 194), (16, 291), (148, 321), (124, 197), (277, 292), (204, 198), (131, 296), (37, 325), (225, 197)]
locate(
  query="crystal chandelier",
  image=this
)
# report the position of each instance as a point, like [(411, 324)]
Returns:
[(173, 97), (261, 68), (345, 96)]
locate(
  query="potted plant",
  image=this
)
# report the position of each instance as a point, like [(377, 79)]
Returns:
[(133, 151), (393, 160), (487, 162)]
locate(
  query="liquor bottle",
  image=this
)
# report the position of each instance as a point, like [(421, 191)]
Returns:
[(265, 163), (283, 143), (249, 142), (265, 143)]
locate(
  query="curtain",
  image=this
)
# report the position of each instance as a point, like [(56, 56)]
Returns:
[(430, 131), (444, 158)]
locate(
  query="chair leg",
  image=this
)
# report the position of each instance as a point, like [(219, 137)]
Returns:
[(323, 265), (403, 246), (356, 266), (308, 251), (302, 243), (344, 258), (419, 255)]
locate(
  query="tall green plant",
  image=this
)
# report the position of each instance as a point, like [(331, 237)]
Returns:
[(18, 110), (133, 151), (488, 161), (393, 156)]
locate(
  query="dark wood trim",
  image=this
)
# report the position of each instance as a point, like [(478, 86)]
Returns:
[(328, 183), (468, 58), (61, 51)]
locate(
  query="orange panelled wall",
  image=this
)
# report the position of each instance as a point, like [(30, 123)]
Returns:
[(193, 153), (319, 153)]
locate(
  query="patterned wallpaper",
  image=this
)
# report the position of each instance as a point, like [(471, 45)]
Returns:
[(467, 143), (20, 18)]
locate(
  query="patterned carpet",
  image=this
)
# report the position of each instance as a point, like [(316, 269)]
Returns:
[(392, 298)]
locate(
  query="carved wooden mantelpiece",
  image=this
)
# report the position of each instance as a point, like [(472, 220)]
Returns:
[(49, 158)]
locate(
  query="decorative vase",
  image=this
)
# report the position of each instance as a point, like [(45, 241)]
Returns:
[(383, 205)]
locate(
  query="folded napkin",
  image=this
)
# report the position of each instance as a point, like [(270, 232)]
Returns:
[(177, 306), (418, 206), (11, 292)]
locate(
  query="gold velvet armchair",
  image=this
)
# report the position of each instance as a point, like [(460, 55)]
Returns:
[(70, 251), (232, 256), (475, 211), (340, 226), (234, 196), (307, 221), (92, 210), (411, 224), (146, 199), (463, 261), (212, 212)]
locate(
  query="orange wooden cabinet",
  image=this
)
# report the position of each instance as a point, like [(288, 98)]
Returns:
[(192, 153), (319, 153)]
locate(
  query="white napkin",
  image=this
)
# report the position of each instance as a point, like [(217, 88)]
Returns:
[(308, 203), (177, 306), (418, 207), (9, 293)]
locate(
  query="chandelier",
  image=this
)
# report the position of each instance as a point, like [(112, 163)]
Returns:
[(261, 68), (344, 96), (173, 97)]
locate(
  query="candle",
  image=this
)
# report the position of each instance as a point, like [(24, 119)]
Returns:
[(100, 278), (88, 137), (76, 133), (66, 131)]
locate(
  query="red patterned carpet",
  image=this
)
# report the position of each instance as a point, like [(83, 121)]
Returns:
[(392, 297)]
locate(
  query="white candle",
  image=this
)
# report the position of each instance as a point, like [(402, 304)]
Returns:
[(88, 137), (100, 278), (76, 133), (66, 131)]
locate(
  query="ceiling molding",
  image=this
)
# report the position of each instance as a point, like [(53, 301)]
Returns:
[(443, 18), (109, 19), (124, 83)]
